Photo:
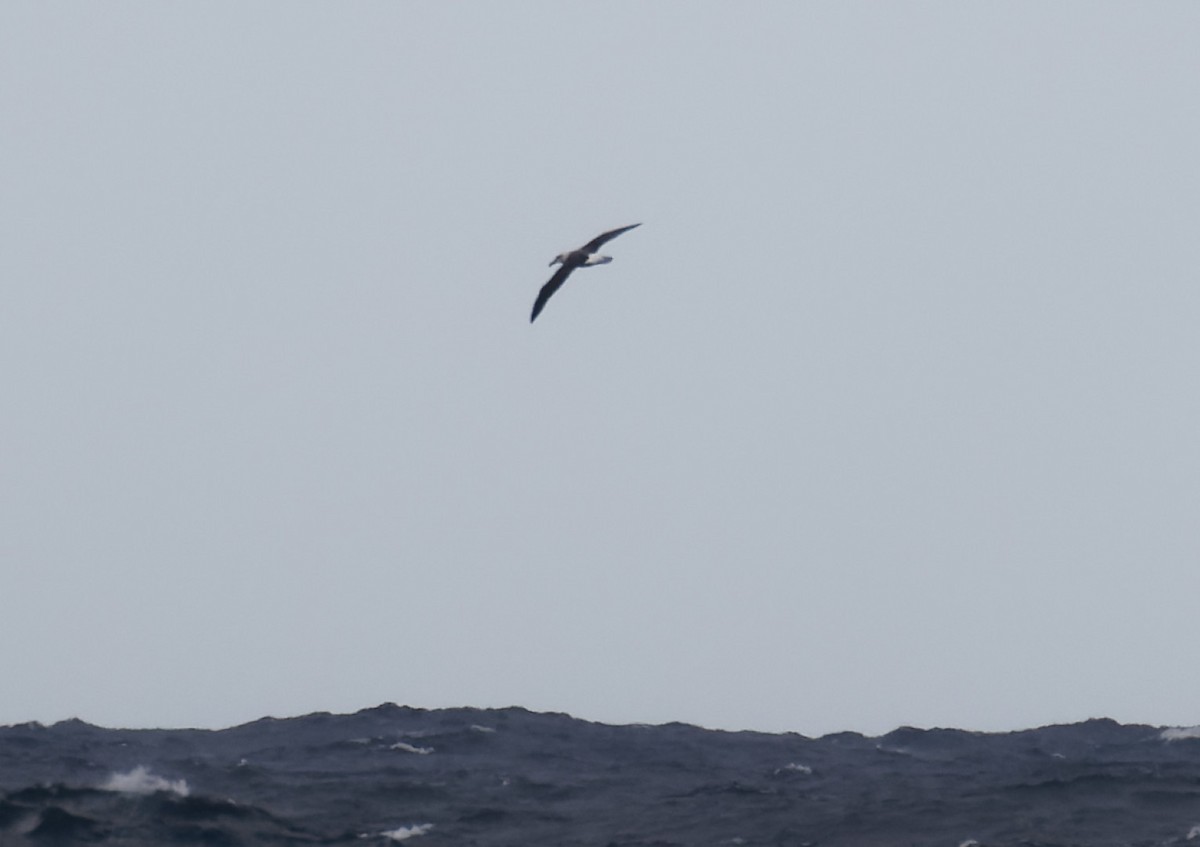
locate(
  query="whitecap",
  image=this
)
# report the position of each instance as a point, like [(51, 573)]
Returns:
[(795, 767), (1180, 733), (1194, 833), (408, 748), (141, 781), (402, 833)]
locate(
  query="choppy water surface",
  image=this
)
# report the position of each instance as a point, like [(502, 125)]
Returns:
[(513, 777)]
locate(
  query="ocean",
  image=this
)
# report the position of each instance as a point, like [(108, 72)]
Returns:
[(493, 777)]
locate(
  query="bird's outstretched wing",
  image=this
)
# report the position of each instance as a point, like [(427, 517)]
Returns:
[(600, 240), (555, 283)]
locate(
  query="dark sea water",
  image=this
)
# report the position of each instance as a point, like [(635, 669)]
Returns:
[(393, 774)]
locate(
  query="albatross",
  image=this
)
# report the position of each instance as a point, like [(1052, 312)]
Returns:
[(585, 256)]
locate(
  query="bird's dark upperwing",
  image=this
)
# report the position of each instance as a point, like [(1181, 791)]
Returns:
[(555, 283), (600, 240)]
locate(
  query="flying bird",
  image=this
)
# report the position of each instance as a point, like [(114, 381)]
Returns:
[(585, 256)]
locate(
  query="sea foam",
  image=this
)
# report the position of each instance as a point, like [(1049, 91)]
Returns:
[(403, 833), (795, 767), (141, 781), (409, 748)]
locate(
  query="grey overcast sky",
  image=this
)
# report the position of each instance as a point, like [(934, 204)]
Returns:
[(888, 414)]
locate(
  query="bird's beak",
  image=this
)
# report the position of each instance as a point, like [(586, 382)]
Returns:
[(552, 262)]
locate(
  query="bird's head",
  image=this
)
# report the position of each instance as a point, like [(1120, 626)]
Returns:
[(558, 260)]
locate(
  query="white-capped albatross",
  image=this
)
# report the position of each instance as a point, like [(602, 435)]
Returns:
[(585, 256)]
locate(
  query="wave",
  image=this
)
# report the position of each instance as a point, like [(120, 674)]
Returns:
[(510, 776), (405, 747), (404, 833), (141, 781)]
